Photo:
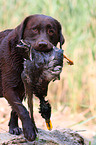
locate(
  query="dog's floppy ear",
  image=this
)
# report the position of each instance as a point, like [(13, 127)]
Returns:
[(17, 34), (20, 29), (61, 37), (62, 40)]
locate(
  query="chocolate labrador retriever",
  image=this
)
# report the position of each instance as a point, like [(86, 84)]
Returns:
[(42, 32)]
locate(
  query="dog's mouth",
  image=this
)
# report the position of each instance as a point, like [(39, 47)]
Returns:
[(41, 46)]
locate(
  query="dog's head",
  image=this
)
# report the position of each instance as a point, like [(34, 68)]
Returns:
[(42, 32)]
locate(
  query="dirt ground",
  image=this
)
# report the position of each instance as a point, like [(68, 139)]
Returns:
[(59, 120)]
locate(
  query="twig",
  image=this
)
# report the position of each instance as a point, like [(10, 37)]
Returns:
[(70, 62)]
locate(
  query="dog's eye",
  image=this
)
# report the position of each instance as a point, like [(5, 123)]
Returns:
[(35, 30), (50, 32)]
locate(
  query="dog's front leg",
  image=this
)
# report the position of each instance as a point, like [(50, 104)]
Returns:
[(13, 124), (28, 127)]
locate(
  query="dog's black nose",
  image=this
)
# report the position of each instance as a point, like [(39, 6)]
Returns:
[(42, 44)]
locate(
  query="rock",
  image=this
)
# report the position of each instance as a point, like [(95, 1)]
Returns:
[(56, 137)]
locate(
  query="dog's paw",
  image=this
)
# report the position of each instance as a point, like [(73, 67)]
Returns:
[(29, 133), (15, 131)]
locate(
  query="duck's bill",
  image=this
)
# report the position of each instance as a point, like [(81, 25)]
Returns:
[(48, 124)]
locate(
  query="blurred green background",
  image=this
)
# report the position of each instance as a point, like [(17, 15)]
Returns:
[(77, 87)]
